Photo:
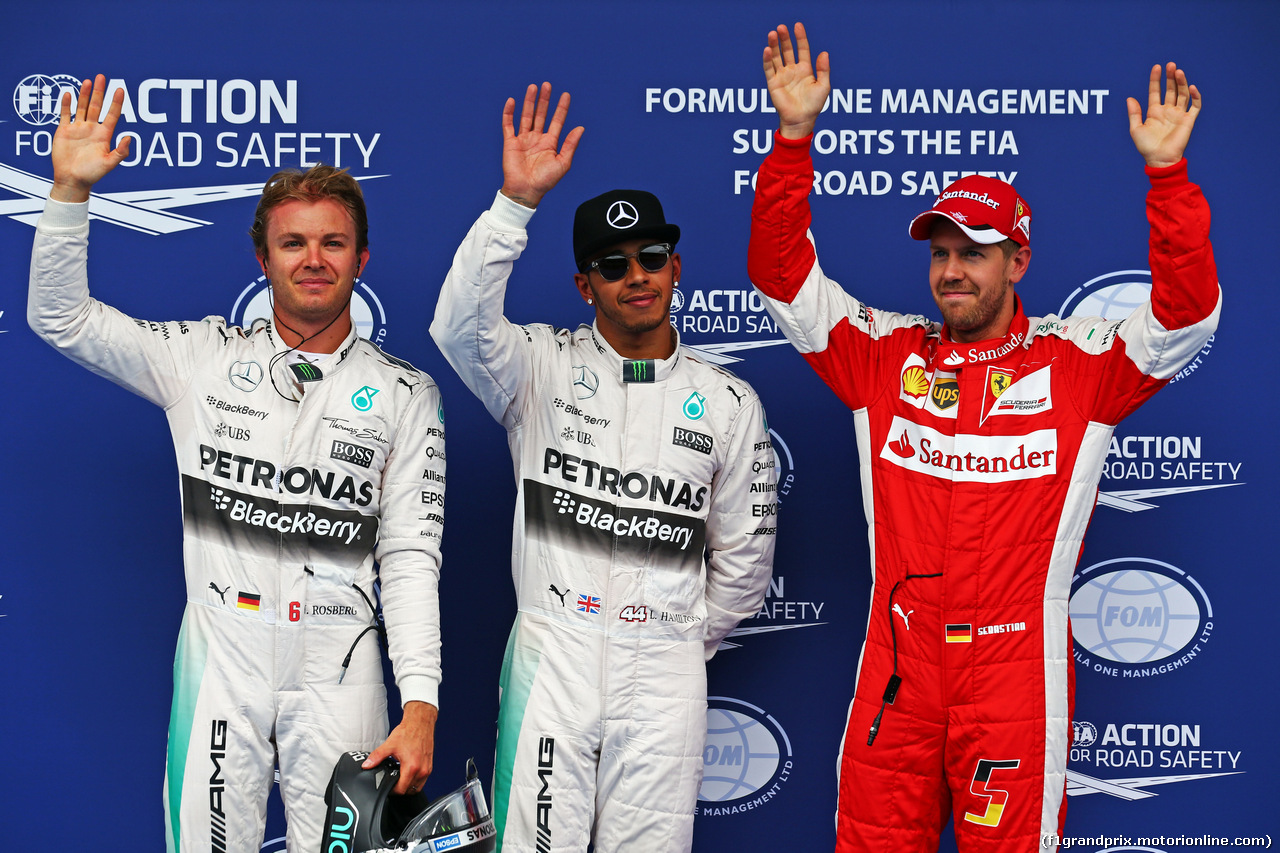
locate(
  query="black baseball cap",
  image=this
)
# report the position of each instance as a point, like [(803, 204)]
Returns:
[(617, 216)]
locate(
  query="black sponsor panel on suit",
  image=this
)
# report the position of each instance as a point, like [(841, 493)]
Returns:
[(587, 523), (254, 522)]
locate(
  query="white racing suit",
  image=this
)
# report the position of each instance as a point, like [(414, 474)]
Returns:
[(644, 531), (288, 498)]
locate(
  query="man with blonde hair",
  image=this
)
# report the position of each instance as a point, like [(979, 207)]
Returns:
[(305, 455)]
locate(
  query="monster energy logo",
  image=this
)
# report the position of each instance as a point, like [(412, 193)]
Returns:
[(306, 372), (638, 370)]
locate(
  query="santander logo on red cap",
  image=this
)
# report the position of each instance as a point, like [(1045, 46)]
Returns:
[(985, 198)]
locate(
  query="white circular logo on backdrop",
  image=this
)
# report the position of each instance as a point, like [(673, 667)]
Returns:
[(622, 214), (36, 98), (1083, 733), (746, 751), (254, 303), (1138, 617)]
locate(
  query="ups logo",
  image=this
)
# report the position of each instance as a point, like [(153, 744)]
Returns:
[(945, 393)]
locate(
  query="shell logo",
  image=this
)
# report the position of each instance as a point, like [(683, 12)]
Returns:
[(914, 382)]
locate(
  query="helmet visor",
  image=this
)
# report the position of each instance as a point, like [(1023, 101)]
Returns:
[(463, 808)]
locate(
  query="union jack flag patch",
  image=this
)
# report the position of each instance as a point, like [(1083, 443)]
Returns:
[(589, 604)]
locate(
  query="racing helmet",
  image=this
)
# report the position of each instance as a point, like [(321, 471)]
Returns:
[(362, 813)]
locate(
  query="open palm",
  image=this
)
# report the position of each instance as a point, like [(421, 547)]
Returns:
[(797, 92), (1163, 137), (82, 150), (533, 161)]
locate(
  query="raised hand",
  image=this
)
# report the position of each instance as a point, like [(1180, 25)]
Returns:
[(531, 163), (82, 150), (797, 94), (1162, 138)]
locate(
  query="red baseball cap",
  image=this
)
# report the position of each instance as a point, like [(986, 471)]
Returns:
[(986, 209)]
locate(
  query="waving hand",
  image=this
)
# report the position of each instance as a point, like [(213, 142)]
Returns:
[(531, 165), (1162, 138), (82, 151), (797, 93)]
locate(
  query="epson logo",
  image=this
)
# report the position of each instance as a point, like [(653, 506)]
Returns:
[(448, 843), (347, 452), (692, 440)]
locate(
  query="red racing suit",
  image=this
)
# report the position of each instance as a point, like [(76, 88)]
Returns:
[(979, 469)]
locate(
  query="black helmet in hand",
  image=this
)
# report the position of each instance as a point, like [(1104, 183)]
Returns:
[(364, 815)]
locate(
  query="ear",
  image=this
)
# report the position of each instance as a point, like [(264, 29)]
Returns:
[(1018, 264), (675, 267), (364, 260), (262, 261), (583, 282)]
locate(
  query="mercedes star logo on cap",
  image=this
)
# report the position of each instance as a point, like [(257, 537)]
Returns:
[(622, 214)]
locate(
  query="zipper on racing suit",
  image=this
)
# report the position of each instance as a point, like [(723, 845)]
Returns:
[(895, 680)]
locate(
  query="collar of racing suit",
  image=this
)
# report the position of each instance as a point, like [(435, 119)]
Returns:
[(636, 369), (280, 374), (949, 355)]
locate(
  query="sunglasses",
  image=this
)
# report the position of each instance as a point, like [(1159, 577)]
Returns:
[(614, 267)]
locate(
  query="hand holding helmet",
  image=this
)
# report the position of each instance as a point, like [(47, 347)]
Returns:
[(364, 815)]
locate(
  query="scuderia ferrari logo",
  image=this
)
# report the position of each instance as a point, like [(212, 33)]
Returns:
[(1025, 395)]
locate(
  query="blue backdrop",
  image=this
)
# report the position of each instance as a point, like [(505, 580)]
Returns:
[(1175, 714)]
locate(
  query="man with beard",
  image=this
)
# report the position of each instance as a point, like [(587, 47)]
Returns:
[(981, 442), (644, 523)]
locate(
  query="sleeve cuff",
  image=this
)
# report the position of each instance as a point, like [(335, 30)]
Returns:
[(61, 215), (1167, 177), (419, 688), (791, 151), (507, 215)]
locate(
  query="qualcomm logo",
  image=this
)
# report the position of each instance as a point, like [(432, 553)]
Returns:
[(746, 759), (147, 211), (1134, 617), (1116, 295), (254, 303)]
